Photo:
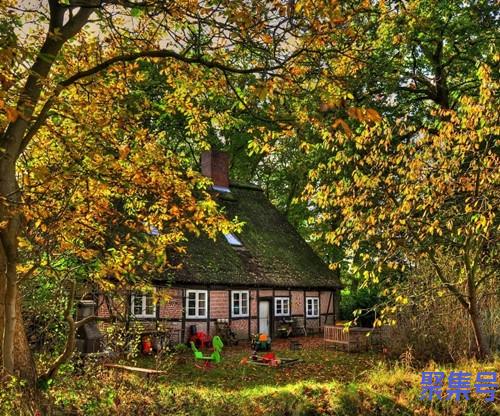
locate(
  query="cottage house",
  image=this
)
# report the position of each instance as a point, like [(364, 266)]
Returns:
[(254, 280)]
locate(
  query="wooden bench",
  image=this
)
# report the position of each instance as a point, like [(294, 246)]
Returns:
[(146, 372)]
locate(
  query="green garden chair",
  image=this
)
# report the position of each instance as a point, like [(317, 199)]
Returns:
[(215, 357)]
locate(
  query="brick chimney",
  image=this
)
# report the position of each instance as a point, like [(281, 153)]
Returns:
[(215, 165)]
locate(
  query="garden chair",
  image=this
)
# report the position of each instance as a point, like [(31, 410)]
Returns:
[(215, 357)]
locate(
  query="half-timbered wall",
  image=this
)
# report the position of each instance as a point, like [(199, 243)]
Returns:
[(171, 312)]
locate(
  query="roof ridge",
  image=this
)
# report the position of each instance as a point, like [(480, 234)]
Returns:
[(250, 186)]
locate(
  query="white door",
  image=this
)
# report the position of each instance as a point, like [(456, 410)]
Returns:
[(264, 317)]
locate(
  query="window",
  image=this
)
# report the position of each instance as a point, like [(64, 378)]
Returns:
[(312, 307), (143, 306), (233, 240), (281, 306), (196, 303), (239, 303)]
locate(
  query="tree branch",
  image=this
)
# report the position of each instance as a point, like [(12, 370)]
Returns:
[(446, 283), (167, 53), (161, 53), (70, 342)]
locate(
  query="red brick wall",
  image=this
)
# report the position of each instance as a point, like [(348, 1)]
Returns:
[(253, 303), (253, 312), (324, 299), (240, 326), (102, 307), (173, 307), (265, 293), (219, 304), (254, 326), (313, 293), (297, 300), (116, 301)]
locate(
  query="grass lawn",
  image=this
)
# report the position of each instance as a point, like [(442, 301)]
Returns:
[(327, 382), (319, 365)]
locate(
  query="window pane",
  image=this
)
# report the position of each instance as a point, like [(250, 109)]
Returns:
[(236, 310), (285, 306), (191, 302), (313, 307), (137, 305), (150, 310), (244, 303), (236, 297), (192, 311)]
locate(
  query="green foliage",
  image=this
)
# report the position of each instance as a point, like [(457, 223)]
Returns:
[(44, 302), (13, 398), (359, 305), (180, 348)]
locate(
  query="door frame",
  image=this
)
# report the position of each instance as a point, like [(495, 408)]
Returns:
[(271, 313)]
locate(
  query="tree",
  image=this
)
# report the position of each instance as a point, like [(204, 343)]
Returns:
[(405, 57), (411, 59), (421, 193), (77, 46)]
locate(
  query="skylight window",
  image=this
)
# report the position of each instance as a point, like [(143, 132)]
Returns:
[(221, 188), (233, 240)]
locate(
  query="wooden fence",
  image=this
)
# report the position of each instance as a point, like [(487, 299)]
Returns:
[(354, 339)]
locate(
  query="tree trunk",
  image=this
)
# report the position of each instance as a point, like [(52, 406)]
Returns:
[(9, 330), (482, 345), (3, 287), (15, 351), (23, 359), (24, 364), (12, 142), (10, 217)]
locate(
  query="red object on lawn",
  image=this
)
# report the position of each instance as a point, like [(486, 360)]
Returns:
[(147, 345), (200, 339)]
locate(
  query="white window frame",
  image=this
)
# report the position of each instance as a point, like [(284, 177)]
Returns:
[(143, 313), (282, 299), (313, 300), (240, 293), (197, 303)]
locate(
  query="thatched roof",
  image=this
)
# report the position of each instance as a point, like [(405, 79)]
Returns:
[(273, 253)]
